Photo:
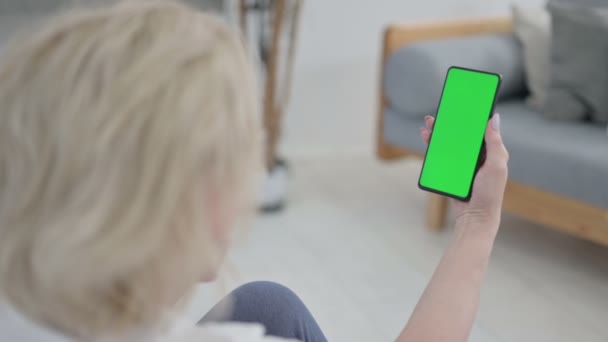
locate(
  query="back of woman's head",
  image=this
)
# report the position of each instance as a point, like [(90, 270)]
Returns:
[(122, 130)]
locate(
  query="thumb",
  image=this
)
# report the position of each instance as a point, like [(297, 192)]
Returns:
[(497, 155)]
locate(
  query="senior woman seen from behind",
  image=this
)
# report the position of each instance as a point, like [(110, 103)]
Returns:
[(129, 148)]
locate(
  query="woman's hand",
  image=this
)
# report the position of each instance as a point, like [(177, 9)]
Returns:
[(451, 299), (489, 185)]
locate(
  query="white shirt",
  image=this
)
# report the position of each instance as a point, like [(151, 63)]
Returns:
[(14, 327)]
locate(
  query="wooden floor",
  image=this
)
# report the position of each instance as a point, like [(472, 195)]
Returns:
[(353, 245)]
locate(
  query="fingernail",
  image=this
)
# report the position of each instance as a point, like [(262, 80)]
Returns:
[(496, 122), (427, 118)]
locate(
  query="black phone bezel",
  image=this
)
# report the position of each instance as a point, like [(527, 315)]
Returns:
[(482, 145)]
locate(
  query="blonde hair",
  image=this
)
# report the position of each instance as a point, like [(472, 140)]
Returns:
[(117, 124)]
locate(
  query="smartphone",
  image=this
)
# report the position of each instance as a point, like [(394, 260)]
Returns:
[(456, 146)]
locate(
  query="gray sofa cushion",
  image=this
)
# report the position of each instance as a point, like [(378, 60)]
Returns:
[(12, 24), (414, 75), (37, 6), (567, 158), (579, 55), (594, 3), (19, 15), (44, 6)]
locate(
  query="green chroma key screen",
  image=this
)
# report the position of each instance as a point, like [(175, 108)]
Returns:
[(457, 139)]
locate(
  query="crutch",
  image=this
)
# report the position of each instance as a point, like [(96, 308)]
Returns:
[(283, 19)]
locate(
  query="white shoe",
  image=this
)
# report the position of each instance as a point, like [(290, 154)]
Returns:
[(273, 194)]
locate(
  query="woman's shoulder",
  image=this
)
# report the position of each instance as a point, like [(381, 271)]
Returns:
[(227, 332), (15, 327)]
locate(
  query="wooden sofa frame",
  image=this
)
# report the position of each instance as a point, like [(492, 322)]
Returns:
[(565, 214)]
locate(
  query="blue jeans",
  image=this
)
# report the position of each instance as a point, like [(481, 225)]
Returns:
[(274, 306)]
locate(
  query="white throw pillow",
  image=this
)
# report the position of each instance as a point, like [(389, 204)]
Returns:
[(532, 27)]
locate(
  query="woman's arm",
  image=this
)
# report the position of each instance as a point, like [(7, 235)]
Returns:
[(447, 309), (446, 312)]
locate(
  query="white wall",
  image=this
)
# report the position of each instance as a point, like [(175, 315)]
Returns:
[(335, 82)]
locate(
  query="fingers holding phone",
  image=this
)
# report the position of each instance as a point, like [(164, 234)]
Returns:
[(490, 182), (466, 158)]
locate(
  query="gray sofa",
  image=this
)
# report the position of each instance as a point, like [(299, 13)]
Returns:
[(560, 160), (18, 14)]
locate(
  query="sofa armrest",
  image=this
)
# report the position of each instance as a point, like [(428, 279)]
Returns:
[(399, 35)]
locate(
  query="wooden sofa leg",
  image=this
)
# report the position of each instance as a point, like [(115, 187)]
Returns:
[(437, 212)]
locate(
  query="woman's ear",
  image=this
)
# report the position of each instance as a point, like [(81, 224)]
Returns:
[(221, 214)]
